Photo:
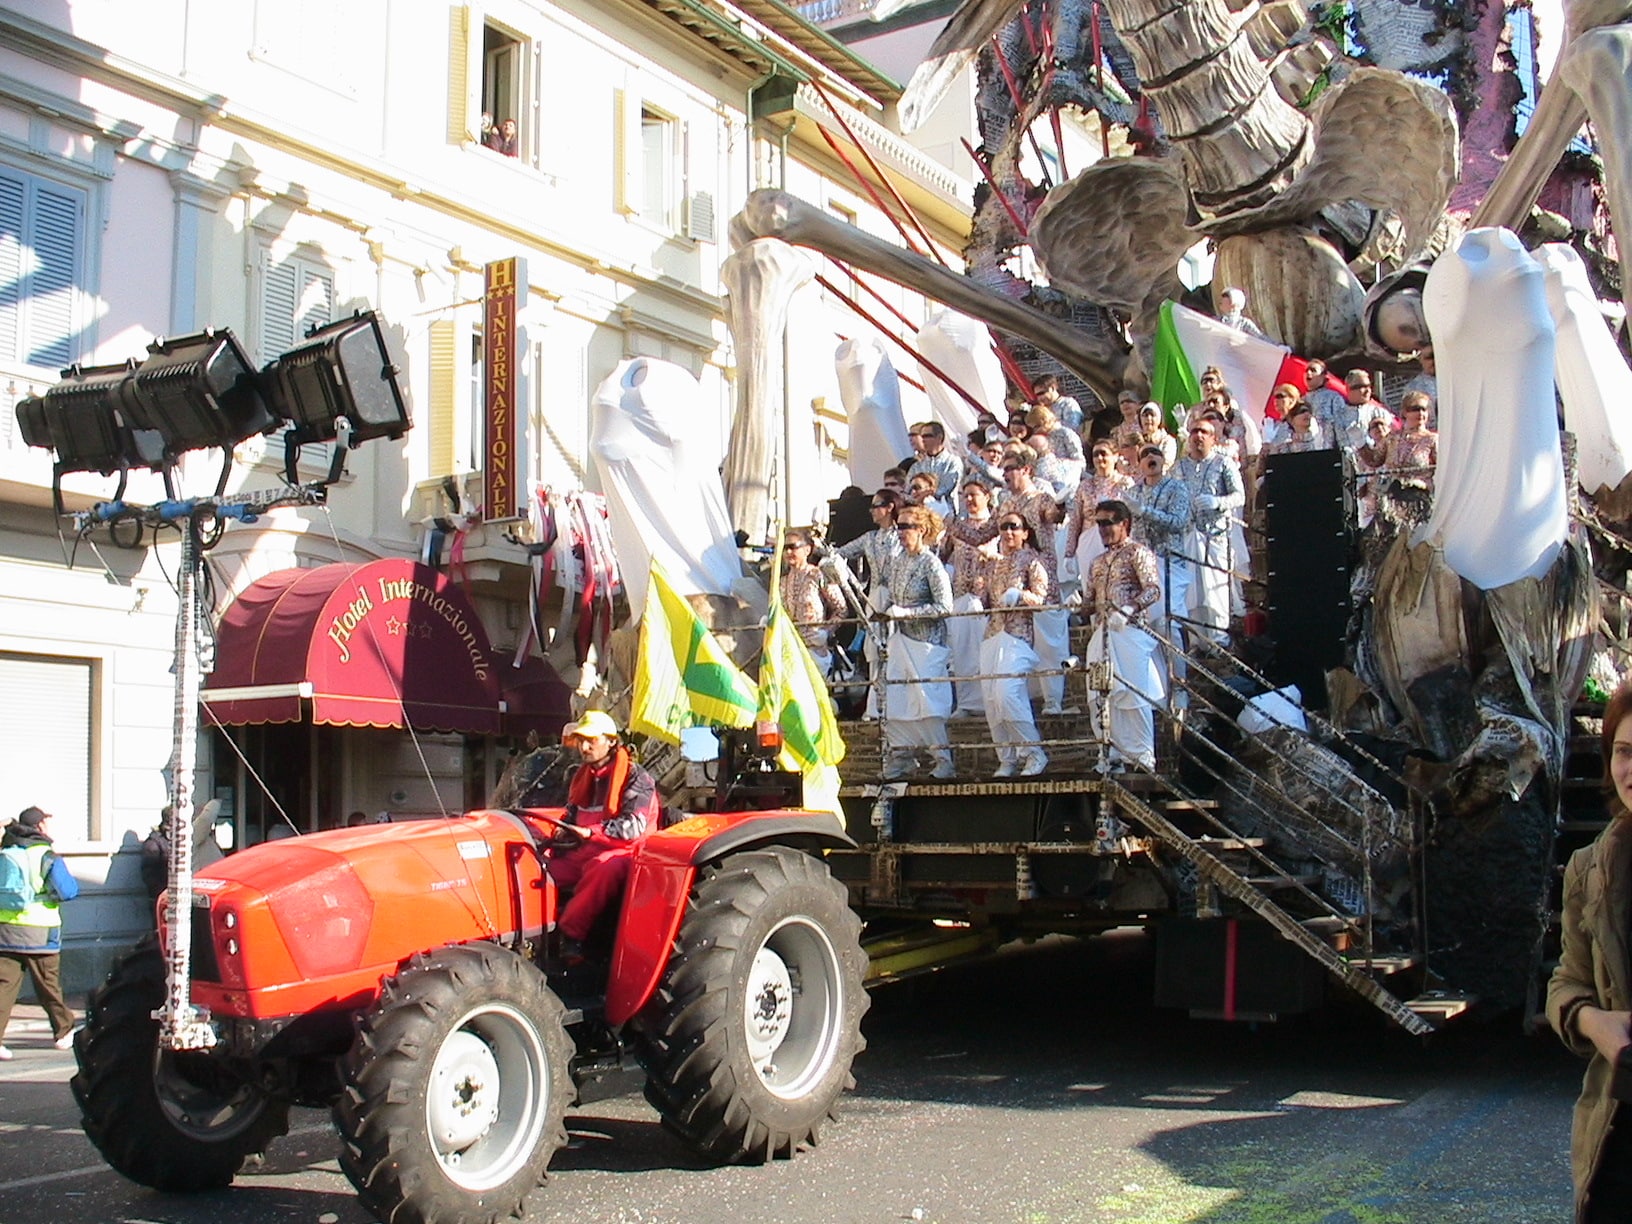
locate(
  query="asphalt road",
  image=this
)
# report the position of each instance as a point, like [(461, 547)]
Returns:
[(1035, 1089)]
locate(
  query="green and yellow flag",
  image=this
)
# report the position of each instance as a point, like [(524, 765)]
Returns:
[(683, 677), (793, 694)]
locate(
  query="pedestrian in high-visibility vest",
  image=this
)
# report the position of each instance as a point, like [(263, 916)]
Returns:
[(33, 883)]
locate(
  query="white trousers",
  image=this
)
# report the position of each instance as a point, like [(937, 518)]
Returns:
[(1136, 685), (1008, 705), (964, 634), (1210, 594), (1053, 634)]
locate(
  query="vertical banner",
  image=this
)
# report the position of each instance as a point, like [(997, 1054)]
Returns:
[(504, 292)]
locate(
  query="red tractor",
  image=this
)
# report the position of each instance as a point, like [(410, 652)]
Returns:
[(408, 977)]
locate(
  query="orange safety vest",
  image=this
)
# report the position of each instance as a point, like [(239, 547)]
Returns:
[(581, 790)]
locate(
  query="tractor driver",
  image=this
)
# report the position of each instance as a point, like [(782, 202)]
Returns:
[(611, 801)]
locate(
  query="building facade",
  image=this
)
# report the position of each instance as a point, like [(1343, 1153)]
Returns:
[(270, 167)]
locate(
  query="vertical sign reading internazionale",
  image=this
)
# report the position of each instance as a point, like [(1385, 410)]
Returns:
[(505, 288)]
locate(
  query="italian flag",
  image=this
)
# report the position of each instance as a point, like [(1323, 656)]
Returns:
[(1187, 342)]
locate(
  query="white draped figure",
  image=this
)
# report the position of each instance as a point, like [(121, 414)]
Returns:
[(871, 392), (962, 349), (1500, 512), (664, 495), (1593, 379)]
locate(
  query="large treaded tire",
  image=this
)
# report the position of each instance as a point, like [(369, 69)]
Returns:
[(749, 1039), (176, 1122), (456, 1089)]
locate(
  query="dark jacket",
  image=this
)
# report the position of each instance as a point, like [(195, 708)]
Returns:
[(28, 938), (1593, 970)]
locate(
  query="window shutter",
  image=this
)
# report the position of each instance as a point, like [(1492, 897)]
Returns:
[(700, 216), (296, 296), (444, 335), (45, 739), (58, 222), (461, 119), (12, 192), (280, 290), (628, 152), (315, 306), (465, 53)]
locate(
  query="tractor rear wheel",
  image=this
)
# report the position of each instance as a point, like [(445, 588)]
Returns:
[(455, 1089), (172, 1121), (749, 1039)]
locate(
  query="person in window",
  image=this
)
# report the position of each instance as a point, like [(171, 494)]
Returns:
[(611, 803), (31, 937), (503, 138)]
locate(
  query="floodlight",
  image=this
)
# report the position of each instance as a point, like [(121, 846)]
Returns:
[(85, 418), (341, 372), (198, 392)]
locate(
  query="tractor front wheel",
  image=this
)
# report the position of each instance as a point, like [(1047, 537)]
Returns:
[(172, 1121), (748, 1042), (456, 1089)]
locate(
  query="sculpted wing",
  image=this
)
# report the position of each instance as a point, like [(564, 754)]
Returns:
[(1371, 111), (1115, 231)]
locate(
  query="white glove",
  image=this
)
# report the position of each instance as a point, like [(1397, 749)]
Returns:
[(897, 612), (833, 565), (1009, 597), (1116, 619), (1205, 501), (1070, 569)]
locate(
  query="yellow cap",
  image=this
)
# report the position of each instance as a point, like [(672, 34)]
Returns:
[(594, 722)]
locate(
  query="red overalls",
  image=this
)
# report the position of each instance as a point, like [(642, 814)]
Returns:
[(598, 869)]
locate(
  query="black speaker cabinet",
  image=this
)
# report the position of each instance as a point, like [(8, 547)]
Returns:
[(1306, 529)]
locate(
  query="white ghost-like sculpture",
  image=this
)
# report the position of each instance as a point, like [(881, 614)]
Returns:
[(962, 349), (1500, 512), (871, 393), (665, 500), (1593, 378)]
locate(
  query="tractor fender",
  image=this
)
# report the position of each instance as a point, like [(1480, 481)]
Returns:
[(660, 886)]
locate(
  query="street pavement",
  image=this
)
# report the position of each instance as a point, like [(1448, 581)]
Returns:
[(1039, 1088)]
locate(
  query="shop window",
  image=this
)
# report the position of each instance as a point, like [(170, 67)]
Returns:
[(42, 240)]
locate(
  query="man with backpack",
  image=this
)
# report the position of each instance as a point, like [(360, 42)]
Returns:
[(33, 883)]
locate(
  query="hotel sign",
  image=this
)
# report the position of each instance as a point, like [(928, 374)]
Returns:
[(504, 291)]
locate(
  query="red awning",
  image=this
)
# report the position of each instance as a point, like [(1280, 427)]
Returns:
[(383, 644)]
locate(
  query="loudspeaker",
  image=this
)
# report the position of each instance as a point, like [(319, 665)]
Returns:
[(1306, 530)]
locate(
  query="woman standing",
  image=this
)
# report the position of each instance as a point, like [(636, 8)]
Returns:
[(1102, 483), (1591, 990), (1016, 582), (918, 699), (812, 599)]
